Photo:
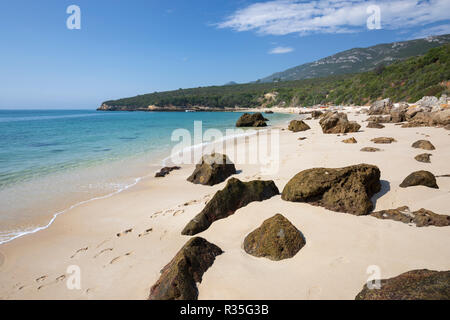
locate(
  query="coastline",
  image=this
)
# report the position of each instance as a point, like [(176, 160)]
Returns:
[(331, 266)]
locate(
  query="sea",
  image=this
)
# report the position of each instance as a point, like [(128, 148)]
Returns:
[(54, 160)]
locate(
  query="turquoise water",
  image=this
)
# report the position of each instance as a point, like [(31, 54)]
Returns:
[(53, 159)]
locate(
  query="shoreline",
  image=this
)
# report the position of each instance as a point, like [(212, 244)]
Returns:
[(332, 265)]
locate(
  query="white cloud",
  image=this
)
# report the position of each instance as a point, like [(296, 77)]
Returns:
[(433, 31), (283, 17), (280, 50)]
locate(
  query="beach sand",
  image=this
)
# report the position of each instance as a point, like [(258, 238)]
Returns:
[(121, 243)]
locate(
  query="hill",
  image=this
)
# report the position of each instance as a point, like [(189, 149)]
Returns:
[(407, 80), (359, 59)]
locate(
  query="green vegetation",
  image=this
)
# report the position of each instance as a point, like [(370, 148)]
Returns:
[(407, 80)]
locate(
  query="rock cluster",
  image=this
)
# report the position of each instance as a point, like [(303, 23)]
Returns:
[(212, 169), (252, 120), (179, 278), (337, 122), (225, 202), (412, 285), (276, 239), (420, 218), (298, 125), (347, 189)]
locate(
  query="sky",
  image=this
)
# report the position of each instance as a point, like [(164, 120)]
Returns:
[(126, 48)]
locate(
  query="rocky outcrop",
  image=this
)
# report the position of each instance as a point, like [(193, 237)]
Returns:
[(212, 169), (298, 125), (225, 202), (412, 285), (350, 140), (370, 149), (381, 107), (180, 276), (423, 144), (420, 178), (276, 239), (337, 123), (316, 114), (165, 171), (420, 218), (383, 140), (379, 119), (375, 125), (428, 119), (252, 120), (347, 189), (423, 157)]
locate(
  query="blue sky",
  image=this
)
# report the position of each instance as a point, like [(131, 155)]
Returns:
[(125, 48)]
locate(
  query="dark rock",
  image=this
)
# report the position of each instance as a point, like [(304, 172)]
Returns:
[(370, 149), (383, 140), (269, 112), (212, 169), (350, 140), (420, 178), (337, 123), (165, 171), (375, 125), (347, 189), (423, 157), (423, 144), (421, 218), (179, 277), (277, 239), (251, 120), (298, 125), (316, 114), (235, 195), (412, 285)]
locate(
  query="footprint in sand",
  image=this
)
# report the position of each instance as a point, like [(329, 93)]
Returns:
[(146, 232), (162, 236), (57, 280), (121, 234), (338, 261), (168, 212), (101, 243), (40, 279), (190, 203), (120, 257), (155, 214), (79, 251), (103, 251), (178, 212)]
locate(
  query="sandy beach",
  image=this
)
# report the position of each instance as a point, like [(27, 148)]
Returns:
[(121, 243)]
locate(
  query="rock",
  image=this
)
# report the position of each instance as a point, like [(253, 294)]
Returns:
[(420, 178), (370, 149), (412, 285), (212, 169), (179, 278), (375, 125), (421, 218), (269, 112), (379, 119), (423, 144), (251, 120), (429, 119), (398, 115), (427, 103), (441, 118), (347, 189), (276, 239), (301, 138), (165, 171), (235, 195), (350, 140), (423, 157), (383, 140), (447, 127), (381, 107), (316, 114), (337, 123), (298, 125)]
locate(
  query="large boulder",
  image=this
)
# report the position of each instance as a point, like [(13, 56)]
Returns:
[(225, 202), (277, 238), (412, 285), (347, 189), (298, 125), (375, 125), (427, 103), (316, 114), (252, 120), (423, 144), (179, 278), (212, 169), (379, 119), (337, 123), (381, 107), (420, 178), (420, 218)]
